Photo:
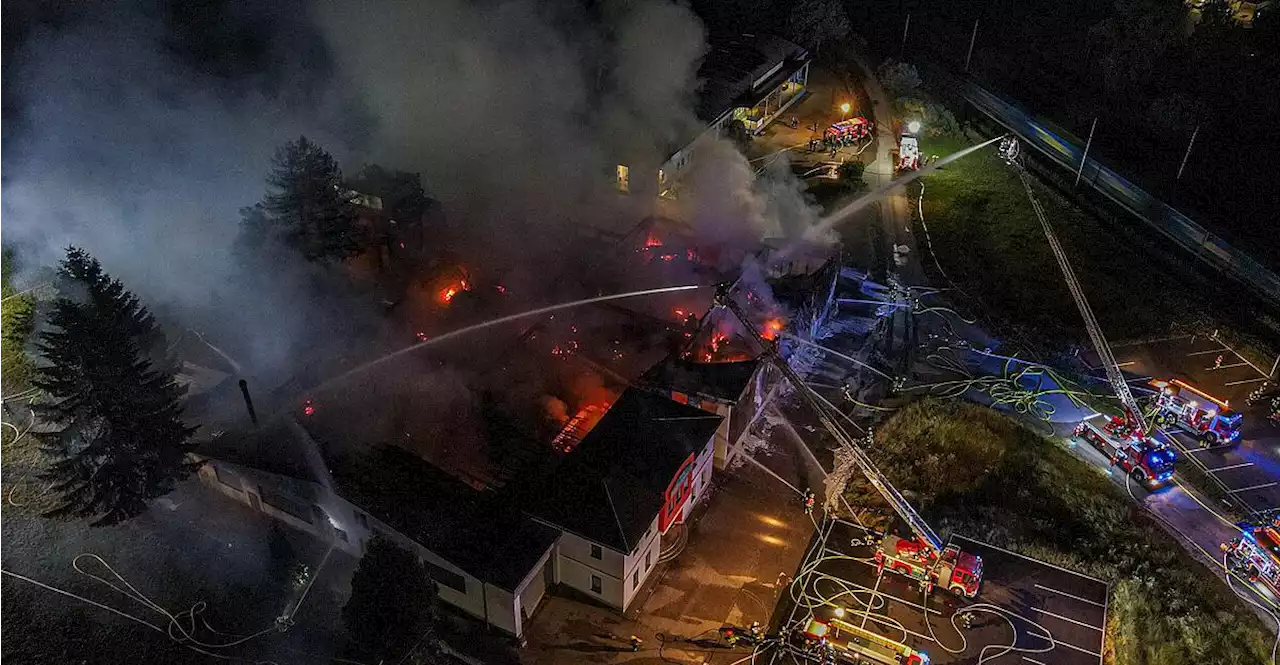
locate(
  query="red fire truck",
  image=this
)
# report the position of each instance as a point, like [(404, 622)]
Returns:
[(956, 571), (1147, 461), (1192, 410), (1256, 554), (853, 129)]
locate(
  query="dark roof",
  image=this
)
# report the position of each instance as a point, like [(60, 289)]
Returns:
[(723, 381), (478, 531), (273, 447), (733, 63), (611, 487)]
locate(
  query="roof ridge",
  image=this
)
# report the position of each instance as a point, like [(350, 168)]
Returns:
[(604, 482)]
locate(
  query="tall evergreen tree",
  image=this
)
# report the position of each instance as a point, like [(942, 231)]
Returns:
[(391, 612), (119, 440), (307, 205)]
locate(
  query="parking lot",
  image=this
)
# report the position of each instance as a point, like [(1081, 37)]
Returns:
[(1026, 611), (1250, 469)]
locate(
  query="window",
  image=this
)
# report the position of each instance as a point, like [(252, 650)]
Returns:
[(648, 559), (596, 552), (447, 577), (596, 584), (635, 579), (624, 179)]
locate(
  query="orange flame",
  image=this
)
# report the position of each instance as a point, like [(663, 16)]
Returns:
[(772, 328)]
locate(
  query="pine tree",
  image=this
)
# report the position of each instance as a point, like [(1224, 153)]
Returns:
[(119, 440), (391, 612), (307, 206)]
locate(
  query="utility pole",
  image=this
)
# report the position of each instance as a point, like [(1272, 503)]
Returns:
[(1190, 143), (902, 50), (1085, 156), (972, 38)]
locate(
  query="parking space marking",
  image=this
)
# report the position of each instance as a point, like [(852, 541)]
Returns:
[(1201, 353), (1032, 660), (1060, 643), (1067, 619), (1252, 487), (1068, 595), (1236, 383), (1230, 466), (876, 590), (1233, 365)]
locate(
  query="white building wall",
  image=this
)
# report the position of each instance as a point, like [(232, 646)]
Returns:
[(637, 570)]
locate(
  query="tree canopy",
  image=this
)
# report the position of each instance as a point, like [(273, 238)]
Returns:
[(391, 612), (115, 437), (307, 206), (401, 191), (812, 23), (16, 325)]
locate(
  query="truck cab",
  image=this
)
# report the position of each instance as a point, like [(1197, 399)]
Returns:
[(1209, 419), (1256, 553)]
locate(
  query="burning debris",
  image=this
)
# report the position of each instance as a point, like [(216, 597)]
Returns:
[(578, 427)]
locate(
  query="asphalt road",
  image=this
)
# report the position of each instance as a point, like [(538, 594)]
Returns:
[(1026, 611)]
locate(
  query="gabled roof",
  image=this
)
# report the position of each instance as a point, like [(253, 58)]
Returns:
[(478, 531), (734, 63), (611, 487), (722, 381)]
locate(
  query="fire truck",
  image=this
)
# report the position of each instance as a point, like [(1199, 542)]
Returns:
[(858, 645), (929, 561), (1149, 463), (1192, 410), (908, 153), (953, 570), (1256, 553), (853, 128)]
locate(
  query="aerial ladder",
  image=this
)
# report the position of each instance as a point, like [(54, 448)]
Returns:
[(1127, 441), (926, 559)]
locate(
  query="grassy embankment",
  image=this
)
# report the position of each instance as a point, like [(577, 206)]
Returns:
[(976, 472)]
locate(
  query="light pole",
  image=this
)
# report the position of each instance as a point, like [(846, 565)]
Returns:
[(1190, 143), (972, 38)]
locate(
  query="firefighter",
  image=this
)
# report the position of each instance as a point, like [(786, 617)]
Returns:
[(966, 620), (809, 500), (756, 631), (635, 643), (730, 635), (1217, 362)]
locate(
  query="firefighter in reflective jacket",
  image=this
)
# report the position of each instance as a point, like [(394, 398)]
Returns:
[(809, 500)]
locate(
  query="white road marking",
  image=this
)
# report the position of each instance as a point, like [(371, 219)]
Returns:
[(1068, 595), (1252, 487), (1236, 383), (1032, 660), (1230, 466), (1233, 365), (1060, 643), (1201, 353), (1067, 619)]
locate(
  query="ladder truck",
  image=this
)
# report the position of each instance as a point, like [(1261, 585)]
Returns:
[(924, 558), (1127, 441)]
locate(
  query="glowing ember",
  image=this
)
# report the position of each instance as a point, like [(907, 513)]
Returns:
[(308, 408), (652, 241), (448, 294), (668, 257), (717, 341), (772, 327), (422, 337), (501, 289), (691, 255), (681, 314)]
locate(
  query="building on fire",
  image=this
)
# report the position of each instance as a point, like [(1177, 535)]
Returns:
[(594, 519)]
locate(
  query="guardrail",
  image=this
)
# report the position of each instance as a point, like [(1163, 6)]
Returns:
[(1176, 226)]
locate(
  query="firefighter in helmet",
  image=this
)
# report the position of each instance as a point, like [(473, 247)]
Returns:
[(809, 500)]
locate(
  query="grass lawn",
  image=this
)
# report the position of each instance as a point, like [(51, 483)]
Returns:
[(976, 472), (988, 239)]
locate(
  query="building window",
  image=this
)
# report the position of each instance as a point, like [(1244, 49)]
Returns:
[(597, 584), (648, 559), (446, 577), (635, 579), (596, 552), (624, 179)]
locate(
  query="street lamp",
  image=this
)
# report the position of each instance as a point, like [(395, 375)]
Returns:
[(844, 110), (913, 126)]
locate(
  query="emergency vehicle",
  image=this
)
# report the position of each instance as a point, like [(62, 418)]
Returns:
[(1148, 462), (908, 153), (953, 570), (853, 128), (1256, 554), (1192, 410), (853, 644)]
